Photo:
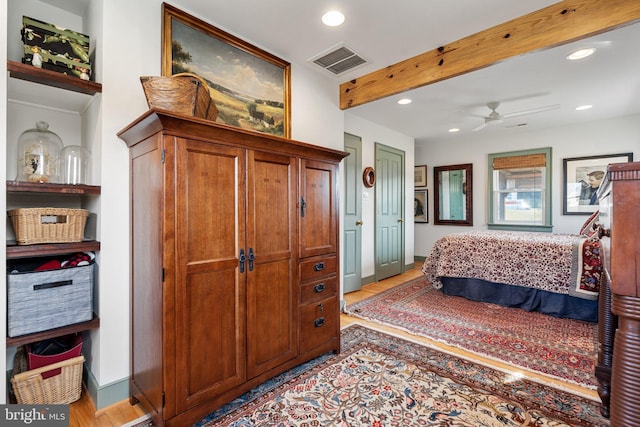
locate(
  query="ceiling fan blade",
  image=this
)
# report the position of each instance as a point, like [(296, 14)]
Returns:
[(531, 111), (479, 127)]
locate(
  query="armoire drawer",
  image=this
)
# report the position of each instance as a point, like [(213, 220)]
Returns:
[(317, 268), (318, 323), (316, 291)]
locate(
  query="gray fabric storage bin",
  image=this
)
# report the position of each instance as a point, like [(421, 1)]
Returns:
[(42, 300)]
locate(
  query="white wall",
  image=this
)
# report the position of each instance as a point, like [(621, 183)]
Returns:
[(371, 134), (613, 136)]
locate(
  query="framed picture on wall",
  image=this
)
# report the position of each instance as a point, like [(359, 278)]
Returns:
[(250, 87), (582, 177), (421, 206), (420, 176)]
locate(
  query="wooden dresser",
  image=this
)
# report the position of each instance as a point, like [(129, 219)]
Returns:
[(620, 235), (234, 263)]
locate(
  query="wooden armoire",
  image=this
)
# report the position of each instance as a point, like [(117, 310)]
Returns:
[(234, 261), (618, 368)]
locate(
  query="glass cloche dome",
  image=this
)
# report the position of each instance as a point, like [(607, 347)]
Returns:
[(38, 152)]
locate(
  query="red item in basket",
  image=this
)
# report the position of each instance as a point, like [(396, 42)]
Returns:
[(36, 360)]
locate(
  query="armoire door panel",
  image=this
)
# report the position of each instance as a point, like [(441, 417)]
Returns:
[(213, 361), (212, 193), (271, 290), (271, 330), (272, 196), (210, 290), (318, 210)]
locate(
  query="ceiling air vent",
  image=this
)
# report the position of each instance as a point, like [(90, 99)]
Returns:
[(338, 59)]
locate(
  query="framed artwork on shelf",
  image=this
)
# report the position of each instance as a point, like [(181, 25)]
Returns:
[(582, 177), (421, 206), (420, 176), (250, 87)]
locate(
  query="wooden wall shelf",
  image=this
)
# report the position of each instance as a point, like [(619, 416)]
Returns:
[(30, 73), (53, 333), (15, 251), (37, 187)]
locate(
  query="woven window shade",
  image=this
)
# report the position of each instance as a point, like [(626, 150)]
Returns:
[(518, 162)]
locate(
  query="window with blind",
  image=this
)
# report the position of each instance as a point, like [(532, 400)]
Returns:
[(520, 196)]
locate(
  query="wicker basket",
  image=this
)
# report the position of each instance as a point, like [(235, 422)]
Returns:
[(48, 225), (31, 389), (182, 93)]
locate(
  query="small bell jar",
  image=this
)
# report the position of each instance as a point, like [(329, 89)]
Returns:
[(38, 154), (74, 164)]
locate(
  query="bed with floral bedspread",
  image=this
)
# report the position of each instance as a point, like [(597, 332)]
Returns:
[(556, 274)]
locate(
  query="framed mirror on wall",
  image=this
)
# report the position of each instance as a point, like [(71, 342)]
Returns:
[(453, 198)]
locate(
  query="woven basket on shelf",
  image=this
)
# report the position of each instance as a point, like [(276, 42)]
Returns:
[(31, 389), (48, 225), (183, 93)]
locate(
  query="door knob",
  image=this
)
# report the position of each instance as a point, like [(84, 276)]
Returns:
[(400, 220), (358, 222)]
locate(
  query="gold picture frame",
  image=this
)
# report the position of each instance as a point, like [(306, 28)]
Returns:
[(250, 87)]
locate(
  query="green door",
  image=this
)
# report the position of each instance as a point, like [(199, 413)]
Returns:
[(389, 239), (352, 238)]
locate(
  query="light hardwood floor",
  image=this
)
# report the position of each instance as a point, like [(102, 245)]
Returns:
[(84, 414)]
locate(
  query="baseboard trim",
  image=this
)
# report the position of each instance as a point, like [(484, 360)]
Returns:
[(368, 280), (106, 395)]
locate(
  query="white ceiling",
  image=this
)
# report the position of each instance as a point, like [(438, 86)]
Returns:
[(386, 32)]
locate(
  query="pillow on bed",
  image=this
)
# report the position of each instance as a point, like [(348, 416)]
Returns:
[(589, 228)]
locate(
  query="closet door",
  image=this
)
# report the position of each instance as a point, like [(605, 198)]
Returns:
[(271, 288), (210, 296)]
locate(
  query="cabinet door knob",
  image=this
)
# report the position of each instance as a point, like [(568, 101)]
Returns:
[(319, 322), (604, 232)]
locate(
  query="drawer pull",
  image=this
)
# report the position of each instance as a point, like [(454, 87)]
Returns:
[(319, 288), (52, 285), (319, 322), (319, 266)]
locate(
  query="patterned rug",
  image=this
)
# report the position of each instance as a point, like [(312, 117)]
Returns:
[(560, 348), (381, 380)]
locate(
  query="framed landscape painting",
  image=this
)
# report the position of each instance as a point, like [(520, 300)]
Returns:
[(249, 86), (582, 177)]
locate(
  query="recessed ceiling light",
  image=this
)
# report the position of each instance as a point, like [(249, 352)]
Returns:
[(583, 107), (453, 130), (404, 101), (581, 53), (333, 18)]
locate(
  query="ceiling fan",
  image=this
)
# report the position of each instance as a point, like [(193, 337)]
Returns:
[(495, 118)]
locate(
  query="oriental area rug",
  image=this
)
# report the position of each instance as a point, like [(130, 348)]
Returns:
[(382, 380), (561, 348)]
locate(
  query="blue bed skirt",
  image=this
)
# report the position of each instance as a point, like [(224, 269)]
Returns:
[(522, 297)]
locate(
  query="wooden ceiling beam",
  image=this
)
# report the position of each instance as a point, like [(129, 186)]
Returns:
[(555, 25)]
